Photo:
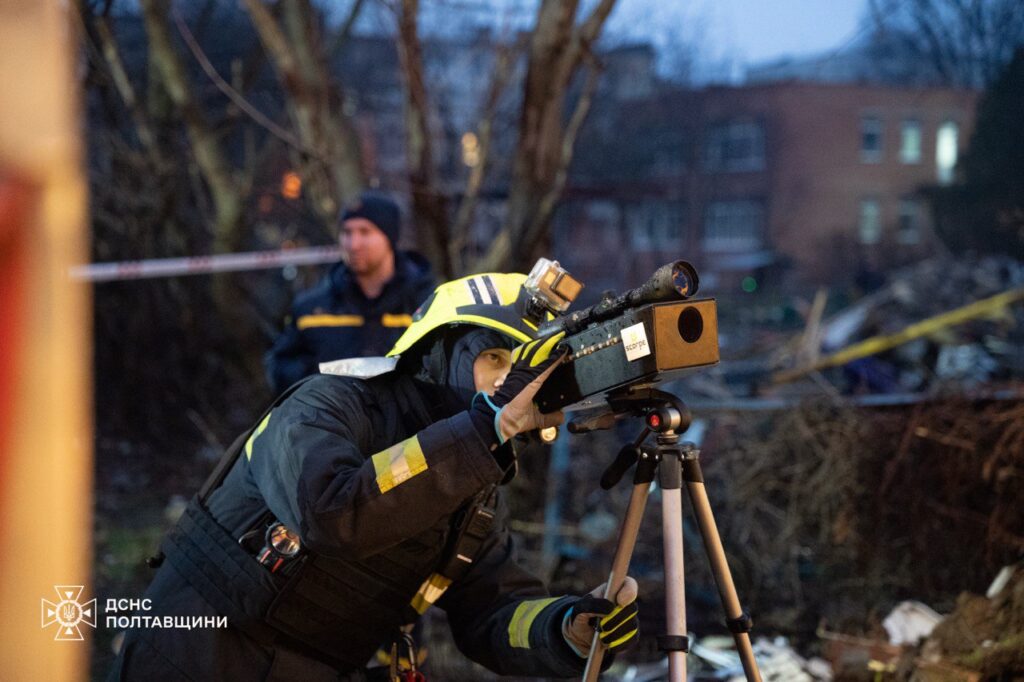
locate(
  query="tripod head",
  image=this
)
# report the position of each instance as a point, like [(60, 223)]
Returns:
[(662, 413)]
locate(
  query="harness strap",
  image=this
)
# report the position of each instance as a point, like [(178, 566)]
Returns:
[(471, 532)]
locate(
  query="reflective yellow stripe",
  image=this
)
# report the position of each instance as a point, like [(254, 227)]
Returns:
[(252, 438), (620, 640), (309, 321), (430, 591), (522, 619), (399, 463), (396, 320)]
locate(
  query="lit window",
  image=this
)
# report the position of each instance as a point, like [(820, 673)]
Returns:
[(733, 226), (910, 142), (871, 139), (908, 230), (946, 151), (870, 226), (734, 147)]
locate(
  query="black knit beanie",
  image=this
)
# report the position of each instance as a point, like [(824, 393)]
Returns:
[(379, 210)]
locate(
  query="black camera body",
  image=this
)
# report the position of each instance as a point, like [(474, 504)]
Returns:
[(642, 345)]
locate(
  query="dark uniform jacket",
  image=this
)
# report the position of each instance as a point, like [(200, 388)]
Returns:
[(335, 320), (372, 474)]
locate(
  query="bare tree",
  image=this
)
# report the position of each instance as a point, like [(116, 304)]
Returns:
[(430, 205), (330, 156), (227, 190), (558, 48), (963, 43)]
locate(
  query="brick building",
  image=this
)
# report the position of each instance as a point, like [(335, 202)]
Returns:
[(795, 181)]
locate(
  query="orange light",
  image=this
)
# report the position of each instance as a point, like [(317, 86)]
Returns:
[(291, 185)]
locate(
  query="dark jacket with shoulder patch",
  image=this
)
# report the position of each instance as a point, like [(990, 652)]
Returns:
[(335, 320), (372, 474)]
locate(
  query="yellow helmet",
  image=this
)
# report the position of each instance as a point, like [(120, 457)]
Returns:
[(493, 300)]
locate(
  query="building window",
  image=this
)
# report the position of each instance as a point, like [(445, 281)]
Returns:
[(910, 142), (733, 226), (946, 151), (736, 146), (908, 229), (870, 226), (655, 225), (871, 139)]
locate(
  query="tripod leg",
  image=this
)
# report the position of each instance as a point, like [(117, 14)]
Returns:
[(737, 620), (675, 642), (623, 553)]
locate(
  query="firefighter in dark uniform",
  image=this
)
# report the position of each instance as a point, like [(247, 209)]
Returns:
[(353, 505), (363, 304)]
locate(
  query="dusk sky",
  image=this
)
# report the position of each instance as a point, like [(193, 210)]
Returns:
[(743, 30)]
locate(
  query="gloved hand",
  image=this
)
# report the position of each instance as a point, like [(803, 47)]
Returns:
[(617, 622), (511, 409)]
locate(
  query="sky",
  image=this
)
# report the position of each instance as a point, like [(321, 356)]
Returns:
[(733, 33), (742, 31), (757, 30)]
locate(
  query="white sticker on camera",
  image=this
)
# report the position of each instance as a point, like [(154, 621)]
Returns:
[(634, 340)]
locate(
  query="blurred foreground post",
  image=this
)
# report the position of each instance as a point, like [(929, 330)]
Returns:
[(45, 353)]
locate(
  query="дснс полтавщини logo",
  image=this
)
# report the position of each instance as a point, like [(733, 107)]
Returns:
[(68, 613)]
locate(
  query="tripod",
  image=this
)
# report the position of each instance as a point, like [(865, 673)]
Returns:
[(674, 463)]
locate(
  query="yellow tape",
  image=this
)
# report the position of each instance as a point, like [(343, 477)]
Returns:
[(522, 619), (878, 344)]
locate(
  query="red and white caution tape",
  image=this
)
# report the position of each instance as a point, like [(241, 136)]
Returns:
[(201, 265)]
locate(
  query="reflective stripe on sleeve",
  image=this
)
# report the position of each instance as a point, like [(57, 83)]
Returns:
[(395, 320), (310, 321), (257, 432), (399, 463), (522, 619)]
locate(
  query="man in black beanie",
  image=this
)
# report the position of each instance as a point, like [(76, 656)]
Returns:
[(363, 304)]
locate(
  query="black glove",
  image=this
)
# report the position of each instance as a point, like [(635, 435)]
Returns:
[(511, 410), (617, 624)]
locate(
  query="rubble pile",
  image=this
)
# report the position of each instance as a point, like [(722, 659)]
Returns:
[(983, 638), (985, 344), (831, 511)]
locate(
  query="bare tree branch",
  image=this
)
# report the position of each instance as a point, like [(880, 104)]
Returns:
[(315, 105), (572, 129), (119, 76), (231, 93), (429, 205), (503, 68), (217, 173), (345, 32), (557, 48)]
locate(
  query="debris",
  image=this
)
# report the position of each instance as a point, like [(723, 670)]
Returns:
[(776, 659), (1001, 580), (963, 315), (850, 656), (909, 622), (983, 637)]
